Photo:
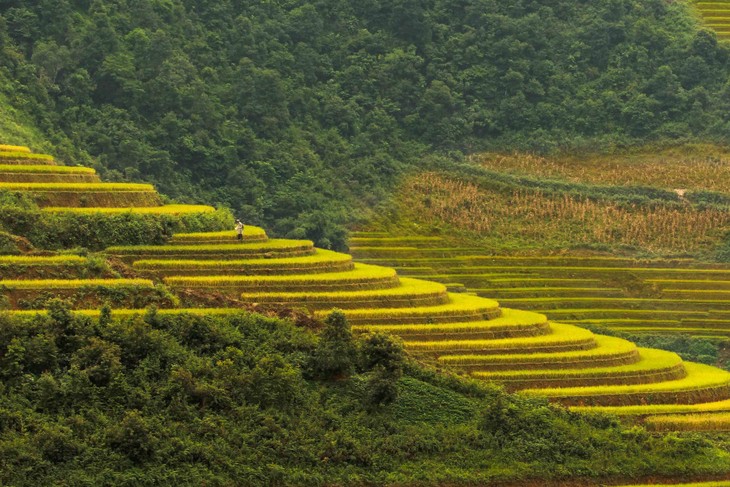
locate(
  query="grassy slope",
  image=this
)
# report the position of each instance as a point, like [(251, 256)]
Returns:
[(222, 401), (622, 203)]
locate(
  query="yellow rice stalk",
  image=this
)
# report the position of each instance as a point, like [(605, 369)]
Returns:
[(74, 283), (606, 348), (14, 148), (153, 210), (699, 377), (46, 169), (76, 187), (562, 336), (689, 422)]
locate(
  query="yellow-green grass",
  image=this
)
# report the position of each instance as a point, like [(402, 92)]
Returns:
[(646, 410), (460, 308), (9, 168), (369, 234), (47, 177), (320, 261), (714, 483), (361, 277), (562, 338), (39, 259), (14, 148), (33, 293), (653, 366), (268, 249), (250, 233), (707, 284), (122, 313), (410, 293), (689, 422), (544, 292), (15, 157), (358, 242), (609, 351), (149, 210), (87, 194), (52, 284), (73, 187), (30, 267), (544, 304), (702, 383), (711, 333), (512, 323), (608, 313)]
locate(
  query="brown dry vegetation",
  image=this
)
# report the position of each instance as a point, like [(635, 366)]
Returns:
[(691, 167), (532, 217)]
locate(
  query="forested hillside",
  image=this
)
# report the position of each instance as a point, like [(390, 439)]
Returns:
[(294, 113)]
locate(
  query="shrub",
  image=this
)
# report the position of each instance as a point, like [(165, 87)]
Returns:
[(335, 355)]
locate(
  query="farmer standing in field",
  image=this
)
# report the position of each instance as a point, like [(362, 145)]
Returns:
[(239, 230)]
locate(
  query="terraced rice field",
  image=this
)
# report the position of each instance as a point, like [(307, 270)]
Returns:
[(469, 332), (676, 296), (716, 15)]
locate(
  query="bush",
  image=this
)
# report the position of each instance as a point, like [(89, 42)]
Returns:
[(335, 355)]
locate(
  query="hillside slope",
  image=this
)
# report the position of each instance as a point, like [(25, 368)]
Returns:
[(295, 113), (216, 395)]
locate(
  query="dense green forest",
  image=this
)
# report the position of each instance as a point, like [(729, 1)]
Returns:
[(248, 400), (295, 113)]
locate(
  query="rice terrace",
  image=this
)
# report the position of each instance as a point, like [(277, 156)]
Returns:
[(342, 243)]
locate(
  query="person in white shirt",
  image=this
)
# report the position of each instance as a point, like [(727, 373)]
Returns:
[(239, 230)]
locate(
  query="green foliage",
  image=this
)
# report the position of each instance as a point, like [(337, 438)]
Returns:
[(96, 231), (275, 109), (335, 356), (195, 399)]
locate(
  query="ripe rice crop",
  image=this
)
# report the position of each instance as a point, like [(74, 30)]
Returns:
[(459, 308), (608, 351), (653, 366), (362, 277), (319, 261), (691, 167), (411, 292), (689, 422), (657, 409), (77, 187), (472, 330), (562, 338), (262, 249), (73, 283), (40, 260), (47, 177), (14, 148), (529, 217), (24, 156), (250, 233), (160, 210), (702, 383), (510, 320), (47, 169)]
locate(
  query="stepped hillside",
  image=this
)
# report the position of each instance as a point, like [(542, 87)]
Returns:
[(716, 15), (301, 115), (521, 349)]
